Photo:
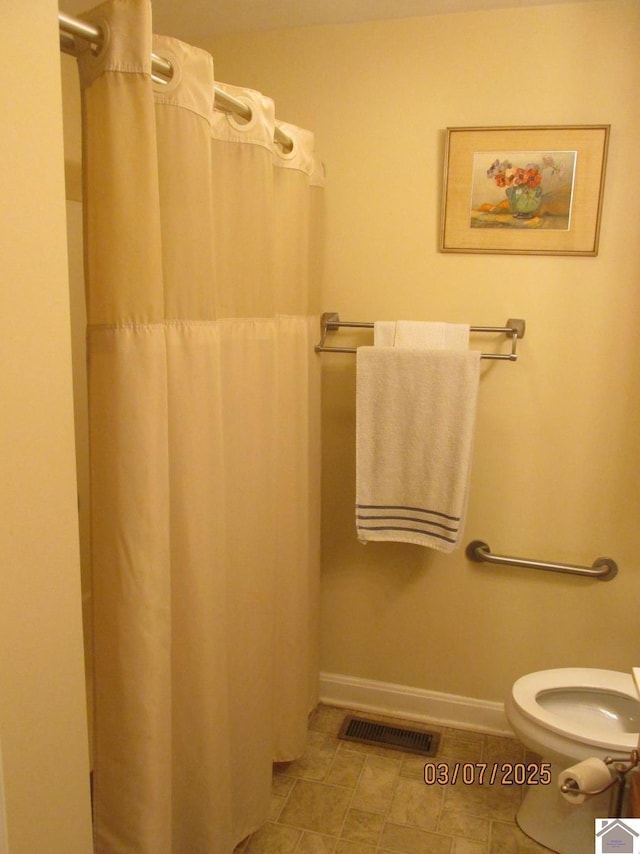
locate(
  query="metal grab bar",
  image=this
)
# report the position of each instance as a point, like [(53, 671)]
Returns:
[(330, 322), (603, 568)]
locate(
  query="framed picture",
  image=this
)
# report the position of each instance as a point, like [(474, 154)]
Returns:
[(524, 190)]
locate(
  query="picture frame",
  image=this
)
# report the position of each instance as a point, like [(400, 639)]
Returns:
[(522, 190)]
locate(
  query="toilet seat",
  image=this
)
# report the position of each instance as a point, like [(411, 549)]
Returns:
[(528, 688)]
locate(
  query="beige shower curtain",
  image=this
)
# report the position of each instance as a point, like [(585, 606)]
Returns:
[(202, 249)]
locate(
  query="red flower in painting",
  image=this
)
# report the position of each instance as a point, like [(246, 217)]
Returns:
[(530, 176)]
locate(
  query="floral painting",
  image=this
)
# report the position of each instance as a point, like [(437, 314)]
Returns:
[(522, 189)]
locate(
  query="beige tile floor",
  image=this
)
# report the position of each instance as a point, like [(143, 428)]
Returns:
[(347, 798)]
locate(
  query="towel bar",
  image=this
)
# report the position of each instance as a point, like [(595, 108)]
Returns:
[(603, 568), (330, 322)]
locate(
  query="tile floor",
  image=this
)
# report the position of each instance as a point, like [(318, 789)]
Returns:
[(347, 798)]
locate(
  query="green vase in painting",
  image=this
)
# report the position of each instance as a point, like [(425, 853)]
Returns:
[(523, 201)]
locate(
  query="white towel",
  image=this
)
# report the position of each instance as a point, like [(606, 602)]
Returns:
[(410, 333), (415, 417), (384, 333), (435, 336)]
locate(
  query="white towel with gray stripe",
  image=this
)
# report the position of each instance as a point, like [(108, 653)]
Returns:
[(415, 418)]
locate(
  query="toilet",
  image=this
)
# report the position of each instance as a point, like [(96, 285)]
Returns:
[(565, 716)]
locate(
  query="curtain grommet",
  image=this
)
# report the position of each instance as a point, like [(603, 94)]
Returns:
[(237, 122), (162, 86), (94, 56), (286, 154)]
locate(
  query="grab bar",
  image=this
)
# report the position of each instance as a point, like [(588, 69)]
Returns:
[(330, 322), (603, 568)]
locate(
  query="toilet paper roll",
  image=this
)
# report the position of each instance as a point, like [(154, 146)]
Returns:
[(590, 775)]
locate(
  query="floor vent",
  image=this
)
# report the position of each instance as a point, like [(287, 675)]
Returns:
[(395, 737)]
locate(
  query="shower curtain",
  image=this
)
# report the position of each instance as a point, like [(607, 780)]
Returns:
[(202, 259)]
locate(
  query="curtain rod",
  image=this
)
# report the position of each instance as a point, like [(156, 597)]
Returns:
[(161, 70)]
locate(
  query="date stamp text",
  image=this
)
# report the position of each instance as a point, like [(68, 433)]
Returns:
[(487, 773)]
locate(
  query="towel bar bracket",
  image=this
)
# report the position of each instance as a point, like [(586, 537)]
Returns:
[(330, 322), (518, 325), (602, 569)]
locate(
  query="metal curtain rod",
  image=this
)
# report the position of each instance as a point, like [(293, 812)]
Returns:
[(603, 568), (161, 70), (330, 322)]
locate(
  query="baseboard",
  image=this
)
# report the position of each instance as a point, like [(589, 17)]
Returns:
[(415, 704)]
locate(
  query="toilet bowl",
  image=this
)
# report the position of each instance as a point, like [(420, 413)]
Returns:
[(565, 716), (570, 714)]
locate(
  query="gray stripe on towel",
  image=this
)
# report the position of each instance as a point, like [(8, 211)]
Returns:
[(404, 507), (444, 527), (399, 528)]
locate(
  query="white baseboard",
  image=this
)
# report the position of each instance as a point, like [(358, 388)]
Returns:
[(415, 704)]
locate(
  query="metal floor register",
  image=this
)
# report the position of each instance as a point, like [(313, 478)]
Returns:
[(407, 739)]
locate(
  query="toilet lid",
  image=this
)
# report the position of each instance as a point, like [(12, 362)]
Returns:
[(527, 689)]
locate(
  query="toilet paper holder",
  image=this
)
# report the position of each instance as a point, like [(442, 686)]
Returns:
[(622, 766)]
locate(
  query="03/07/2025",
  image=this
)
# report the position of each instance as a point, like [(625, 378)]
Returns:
[(486, 773)]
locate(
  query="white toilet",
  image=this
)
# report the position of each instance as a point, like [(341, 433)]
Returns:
[(568, 715)]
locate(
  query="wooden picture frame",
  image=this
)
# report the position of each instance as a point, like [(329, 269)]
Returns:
[(524, 190)]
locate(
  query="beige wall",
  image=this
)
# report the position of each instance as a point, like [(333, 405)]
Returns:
[(42, 697), (555, 472)]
